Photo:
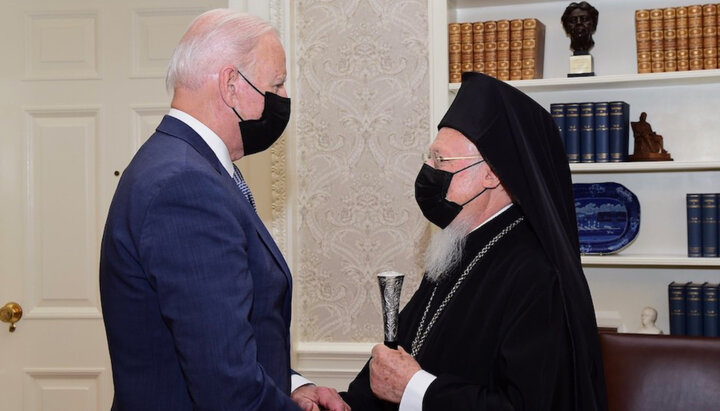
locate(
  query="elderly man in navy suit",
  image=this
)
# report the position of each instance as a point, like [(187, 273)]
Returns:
[(196, 295)]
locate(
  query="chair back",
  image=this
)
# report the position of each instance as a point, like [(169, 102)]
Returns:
[(661, 372)]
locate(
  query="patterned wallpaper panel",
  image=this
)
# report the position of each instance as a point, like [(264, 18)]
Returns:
[(362, 126)]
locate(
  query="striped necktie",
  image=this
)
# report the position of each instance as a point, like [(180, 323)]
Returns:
[(242, 185)]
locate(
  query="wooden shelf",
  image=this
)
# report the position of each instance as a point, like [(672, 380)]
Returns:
[(614, 81), (647, 260), (645, 166)]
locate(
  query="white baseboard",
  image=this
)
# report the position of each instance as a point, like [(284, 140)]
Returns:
[(331, 364)]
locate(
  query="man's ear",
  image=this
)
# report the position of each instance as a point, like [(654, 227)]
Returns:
[(227, 85), (489, 178)]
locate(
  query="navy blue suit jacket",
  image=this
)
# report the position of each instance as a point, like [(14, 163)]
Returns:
[(195, 293)]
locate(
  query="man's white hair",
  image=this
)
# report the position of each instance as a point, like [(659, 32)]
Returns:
[(214, 39)]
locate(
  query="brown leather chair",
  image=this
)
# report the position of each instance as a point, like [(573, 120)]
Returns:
[(661, 372)]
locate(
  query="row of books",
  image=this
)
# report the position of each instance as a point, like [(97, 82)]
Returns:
[(504, 49), (677, 38), (593, 132), (693, 309), (702, 224)]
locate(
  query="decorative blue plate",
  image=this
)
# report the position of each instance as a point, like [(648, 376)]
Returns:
[(608, 217)]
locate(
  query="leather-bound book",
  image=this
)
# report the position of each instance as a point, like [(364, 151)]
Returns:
[(694, 224), (657, 44), (602, 132), (695, 37), (587, 133), (516, 38), (682, 40), (491, 48), (466, 46), (642, 38), (533, 51), (710, 37), (669, 39), (693, 309), (676, 304), (503, 49), (619, 130), (572, 132), (557, 110), (710, 310), (479, 47), (709, 222), (454, 52)]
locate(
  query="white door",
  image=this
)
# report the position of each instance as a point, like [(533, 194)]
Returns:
[(81, 87)]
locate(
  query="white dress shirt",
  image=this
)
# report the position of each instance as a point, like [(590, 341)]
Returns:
[(211, 139)]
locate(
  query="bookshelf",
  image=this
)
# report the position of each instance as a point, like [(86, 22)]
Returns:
[(681, 106)]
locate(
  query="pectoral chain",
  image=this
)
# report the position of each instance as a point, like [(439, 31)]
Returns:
[(422, 331)]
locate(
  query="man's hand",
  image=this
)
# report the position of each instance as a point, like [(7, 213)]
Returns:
[(313, 398), (390, 372)]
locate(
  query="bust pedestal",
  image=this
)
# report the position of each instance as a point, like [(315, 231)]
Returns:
[(581, 66)]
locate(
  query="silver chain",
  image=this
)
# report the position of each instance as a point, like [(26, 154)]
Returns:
[(422, 333)]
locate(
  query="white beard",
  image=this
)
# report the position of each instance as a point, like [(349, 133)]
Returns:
[(445, 250)]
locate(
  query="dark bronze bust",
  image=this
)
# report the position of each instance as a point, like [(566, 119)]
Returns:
[(580, 21)]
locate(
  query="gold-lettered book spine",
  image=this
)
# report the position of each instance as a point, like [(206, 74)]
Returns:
[(642, 38), (657, 44), (454, 52), (533, 51)]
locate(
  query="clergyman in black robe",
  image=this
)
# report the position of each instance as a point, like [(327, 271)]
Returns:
[(509, 324)]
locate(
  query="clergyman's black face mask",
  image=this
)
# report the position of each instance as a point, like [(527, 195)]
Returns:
[(431, 187), (258, 135)]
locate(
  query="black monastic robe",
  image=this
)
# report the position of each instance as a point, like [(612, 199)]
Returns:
[(502, 342)]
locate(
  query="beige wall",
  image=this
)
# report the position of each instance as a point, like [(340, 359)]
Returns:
[(361, 116)]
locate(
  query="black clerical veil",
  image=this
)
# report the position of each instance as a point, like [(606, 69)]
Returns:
[(521, 143)]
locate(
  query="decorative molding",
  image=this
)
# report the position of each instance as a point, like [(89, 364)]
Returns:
[(56, 138), (279, 151), (141, 129), (278, 178), (154, 35), (63, 313), (61, 45), (331, 364), (78, 389)]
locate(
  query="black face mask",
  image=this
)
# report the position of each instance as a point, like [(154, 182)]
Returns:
[(431, 187), (258, 135)]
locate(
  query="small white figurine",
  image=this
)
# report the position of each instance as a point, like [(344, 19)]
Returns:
[(647, 318)]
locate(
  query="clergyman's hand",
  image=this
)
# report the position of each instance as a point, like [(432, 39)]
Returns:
[(390, 372), (313, 398)]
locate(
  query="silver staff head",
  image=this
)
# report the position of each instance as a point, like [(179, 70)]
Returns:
[(390, 286)]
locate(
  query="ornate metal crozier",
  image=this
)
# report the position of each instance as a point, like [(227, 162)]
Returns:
[(390, 285)]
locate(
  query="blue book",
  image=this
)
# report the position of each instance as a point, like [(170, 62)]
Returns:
[(619, 113), (693, 309), (709, 220), (572, 132), (557, 110), (710, 310), (626, 131), (676, 303), (602, 133), (587, 133), (694, 225)]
